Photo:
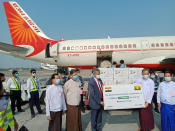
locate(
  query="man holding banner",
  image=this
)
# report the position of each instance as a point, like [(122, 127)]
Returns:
[(145, 114)]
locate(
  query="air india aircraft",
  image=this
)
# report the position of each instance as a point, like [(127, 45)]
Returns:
[(29, 42)]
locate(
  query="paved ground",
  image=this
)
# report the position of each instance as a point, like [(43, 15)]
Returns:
[(122, 120)]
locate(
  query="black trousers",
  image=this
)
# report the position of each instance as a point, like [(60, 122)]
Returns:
[(15, 97), (34, 100), (56, 123), (82, 103), (155, 101)]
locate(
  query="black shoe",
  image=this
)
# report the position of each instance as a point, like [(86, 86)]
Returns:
[(157, 111), (41, 113), (32, 116), (21, 110)]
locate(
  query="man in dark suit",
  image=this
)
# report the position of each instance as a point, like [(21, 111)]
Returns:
[(96, 100)]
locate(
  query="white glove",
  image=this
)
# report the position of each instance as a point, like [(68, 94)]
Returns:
[(29, 96)]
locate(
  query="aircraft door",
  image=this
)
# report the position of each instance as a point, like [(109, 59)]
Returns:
[(145, 47), (51, 51)]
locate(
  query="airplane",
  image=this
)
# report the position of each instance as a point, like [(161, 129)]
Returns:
[(29, 42)]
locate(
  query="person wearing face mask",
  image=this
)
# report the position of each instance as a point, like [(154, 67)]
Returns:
[(145, 114), (55, 104), (114, 64), (33, 89), (155, 78), (14, 86), (7, 120), (166, 102), (72, 94), (80, 79), (96, 103)]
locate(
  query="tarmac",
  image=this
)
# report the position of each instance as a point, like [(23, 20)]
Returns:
[(117, 120)]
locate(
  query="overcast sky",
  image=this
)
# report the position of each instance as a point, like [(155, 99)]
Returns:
[(80, 19)]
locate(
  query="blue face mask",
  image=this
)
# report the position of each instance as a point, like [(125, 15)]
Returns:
[(113, 66), (153, 76), (75, 77), (91, 76), (167, 79), (17, 75), (57, 82)]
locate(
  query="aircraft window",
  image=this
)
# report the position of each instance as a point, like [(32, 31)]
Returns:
[(89, 47), (64, 48), (81, 47), (111, 46), (94, 47), (166, 44), (152, 45), (102, 47), (129, 46), (125, 46), (157, 45), (98, 47), (162, 44), (134, 45), (68, 48), (120, 46), (116, 46), (171, 44), (107, 46), (77, 48), (85, 47), (72, 48)]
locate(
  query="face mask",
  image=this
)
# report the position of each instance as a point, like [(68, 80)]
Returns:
[(75, 77), (17, 75), (145, 76), (98, 76), (91, 76), (153, 76), (167, 78), (33, 74), (57, 82), (113, 66)]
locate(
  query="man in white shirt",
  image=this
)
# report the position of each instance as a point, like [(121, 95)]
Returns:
[(14, 86), (33, 89), (55, 104), (166, 102), (146, 114)]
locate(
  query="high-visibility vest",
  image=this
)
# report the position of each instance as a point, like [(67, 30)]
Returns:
[(36, 85), (6, 118), (18, 85)]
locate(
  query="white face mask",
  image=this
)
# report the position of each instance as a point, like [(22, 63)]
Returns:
[(98, 76), (145, 76)]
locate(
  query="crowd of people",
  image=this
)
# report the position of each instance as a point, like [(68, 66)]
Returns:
[(64, 96)]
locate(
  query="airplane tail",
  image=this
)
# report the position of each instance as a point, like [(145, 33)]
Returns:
[(24, 31)]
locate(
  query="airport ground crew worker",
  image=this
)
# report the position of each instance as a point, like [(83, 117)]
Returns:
[(33, 89), (166, 101), (55, 104), (14, 86), (145, 114), (7, 119), (123, 65)]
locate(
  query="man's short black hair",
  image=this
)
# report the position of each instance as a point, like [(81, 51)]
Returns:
[(169, 72), (73, 71), (145, 69), (32, 70), (1, 86), (114, 63), (14, 72), (53, 76), (122, 61), (2, 75), (77, 69)]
